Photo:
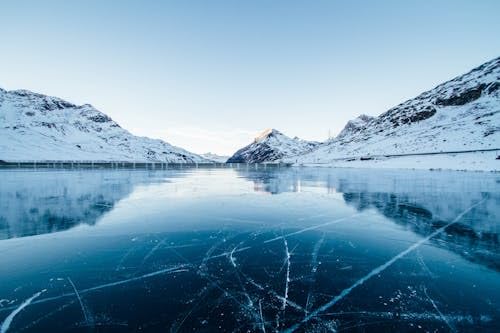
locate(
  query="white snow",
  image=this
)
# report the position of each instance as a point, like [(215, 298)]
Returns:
[(459, 115), (355, 125), (38, 127), (478, 161), (215, 158), (272, 145)]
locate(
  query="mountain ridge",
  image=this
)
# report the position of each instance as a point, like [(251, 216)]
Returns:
[(461, 114), (271, 145), (40, 127)]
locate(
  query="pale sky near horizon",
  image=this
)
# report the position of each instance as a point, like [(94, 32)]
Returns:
[(210, 75)]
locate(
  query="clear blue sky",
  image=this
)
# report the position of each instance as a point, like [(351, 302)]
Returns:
[(208, 75)]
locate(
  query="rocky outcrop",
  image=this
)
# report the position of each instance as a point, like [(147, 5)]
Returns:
[(271, 145), (355, 125)]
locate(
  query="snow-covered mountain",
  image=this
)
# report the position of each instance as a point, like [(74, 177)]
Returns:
[(39, 127), (215, 158), (271, 145), (459, 115), (355, 125)]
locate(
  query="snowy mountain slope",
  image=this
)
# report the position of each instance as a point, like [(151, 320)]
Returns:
[(271, 145), (38, 127), (355, 125), (458, 115), (215, 158)]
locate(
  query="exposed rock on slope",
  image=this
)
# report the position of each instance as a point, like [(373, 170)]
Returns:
[(458, 115), (355, 125), (38, 127), (271, 145)]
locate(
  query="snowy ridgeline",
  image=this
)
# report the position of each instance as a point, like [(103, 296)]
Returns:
[(460, 115), (38, 127), (270, 146), (215, 158)]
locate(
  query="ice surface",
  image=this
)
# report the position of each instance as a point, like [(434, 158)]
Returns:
[(311, 249)]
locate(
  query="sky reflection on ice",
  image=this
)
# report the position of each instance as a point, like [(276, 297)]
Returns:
[(185, 250)]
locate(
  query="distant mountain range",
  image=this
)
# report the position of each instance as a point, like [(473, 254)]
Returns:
[(462, 114), (215, 158), (272, 145), (39, 127)]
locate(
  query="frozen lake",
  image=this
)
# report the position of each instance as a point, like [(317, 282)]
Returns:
[(306, 250)]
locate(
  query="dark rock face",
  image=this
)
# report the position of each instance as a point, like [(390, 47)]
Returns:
[(236, 158), (355, 125), (48, 125), (493, 87), (415, 117), (465, 97), (100, 118), (271, 146), (406, 115), (451, 93), (51, 104), (264, 153)]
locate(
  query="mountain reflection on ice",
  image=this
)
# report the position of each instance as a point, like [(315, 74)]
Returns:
[(33, 203), (204, 250)]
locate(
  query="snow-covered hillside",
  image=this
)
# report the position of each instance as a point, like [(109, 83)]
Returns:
[(215, 158), (355, 125), (38, 127), (459, 115), (271, 145)]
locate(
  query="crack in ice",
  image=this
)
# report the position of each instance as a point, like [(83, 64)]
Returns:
[(176, 269), (287, 276), (86, 313), (231, 257), (237, 272), (379, 270), (262, 322), (47, 315), (313, 227), (8, 321), (176, 326), (439, 311), (314, 268)]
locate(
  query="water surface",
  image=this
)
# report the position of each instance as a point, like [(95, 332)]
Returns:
[(249, 249)]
